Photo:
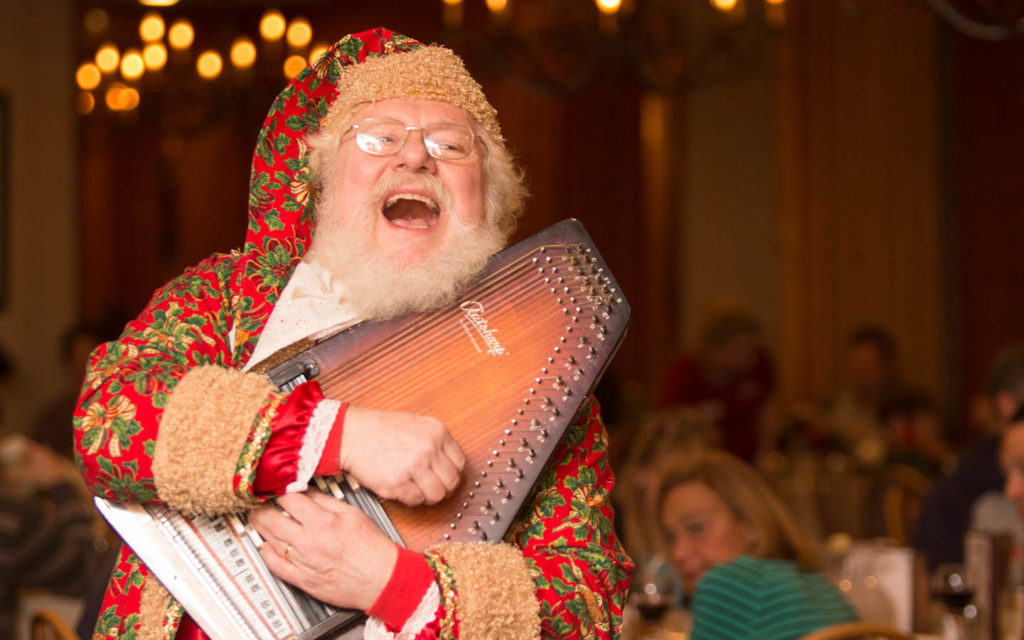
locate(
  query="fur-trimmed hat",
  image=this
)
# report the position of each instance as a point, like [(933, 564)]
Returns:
[(380, 64)]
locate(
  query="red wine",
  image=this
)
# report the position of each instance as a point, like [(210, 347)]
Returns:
[(954, 599), (652, 610)]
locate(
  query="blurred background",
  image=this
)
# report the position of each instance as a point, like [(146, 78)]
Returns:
[(824, 164), (812, 166)]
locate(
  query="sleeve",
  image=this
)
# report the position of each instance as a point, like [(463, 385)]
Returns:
[(946, 511), (164, 417), (560, 573)]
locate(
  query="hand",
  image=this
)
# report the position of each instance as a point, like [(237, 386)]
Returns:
[(329, 549), (401, 456)]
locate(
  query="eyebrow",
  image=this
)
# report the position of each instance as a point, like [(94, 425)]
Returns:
[(688, 515)]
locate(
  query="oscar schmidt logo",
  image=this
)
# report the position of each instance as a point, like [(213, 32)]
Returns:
[(475, 325)]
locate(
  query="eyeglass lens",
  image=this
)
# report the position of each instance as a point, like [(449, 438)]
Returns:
[(385, 137)]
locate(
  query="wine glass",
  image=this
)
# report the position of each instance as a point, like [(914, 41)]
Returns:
[(655, 590), (950, 586)]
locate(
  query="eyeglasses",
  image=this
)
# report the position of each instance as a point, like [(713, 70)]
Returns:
[(387, 136)]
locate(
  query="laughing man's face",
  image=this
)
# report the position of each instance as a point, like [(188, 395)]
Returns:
[(408, 221)]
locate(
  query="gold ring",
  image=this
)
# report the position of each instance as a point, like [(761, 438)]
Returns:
[(287, 550)]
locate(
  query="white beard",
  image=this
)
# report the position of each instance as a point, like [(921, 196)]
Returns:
[(380, 286)]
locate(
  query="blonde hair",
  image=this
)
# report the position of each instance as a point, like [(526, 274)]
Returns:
[(751, 501), (663, 438)]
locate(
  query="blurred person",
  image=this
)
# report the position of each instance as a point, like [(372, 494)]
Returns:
[(1011, 461), (971, 495), (750, 570), (46, 530), (913, 431), (1009, 521), (663, 439), (852, 418), (731, 378), (52, 424), (381, 186)]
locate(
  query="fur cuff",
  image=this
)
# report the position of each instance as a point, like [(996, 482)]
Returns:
[(153, 610), (494, 591), (203, 431)]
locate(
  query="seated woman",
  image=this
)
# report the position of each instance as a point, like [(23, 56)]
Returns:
[(751, 572)]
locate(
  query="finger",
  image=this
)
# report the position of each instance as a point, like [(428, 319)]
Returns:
[(269, 522), (454, 452), (410, 494), (431, 486), (293, 504), (281, 566), (330, 503), (286, 550), (295, 552), (303, 508), (447, 473)]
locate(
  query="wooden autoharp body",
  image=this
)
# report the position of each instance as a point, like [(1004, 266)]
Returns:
[(505, 368)]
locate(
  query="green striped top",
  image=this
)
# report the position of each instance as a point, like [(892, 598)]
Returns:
[(764, 599)]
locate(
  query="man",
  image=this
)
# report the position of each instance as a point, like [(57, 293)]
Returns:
[(1011, 461), (401, 156), (853, 416), (731, 378), (969, 496)]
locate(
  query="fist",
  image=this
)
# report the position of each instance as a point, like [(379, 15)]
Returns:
[(401, 456)]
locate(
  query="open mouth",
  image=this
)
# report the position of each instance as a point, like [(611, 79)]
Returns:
[(411, 211)]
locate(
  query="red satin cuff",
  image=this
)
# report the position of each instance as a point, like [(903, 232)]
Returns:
[(330, 456), (279, 463), (189, 630), (406, 587)]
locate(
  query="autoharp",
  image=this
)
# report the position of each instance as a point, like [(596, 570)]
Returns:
[(505, 368)]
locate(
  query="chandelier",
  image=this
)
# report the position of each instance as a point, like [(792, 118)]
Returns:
[(166, 59), (551, 45), (557, 46), (982, 19), (663, 45)]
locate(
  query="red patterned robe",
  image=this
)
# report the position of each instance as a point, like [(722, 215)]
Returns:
[(166, 416)]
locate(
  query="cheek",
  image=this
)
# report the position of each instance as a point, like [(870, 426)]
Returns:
[(357, 174), (468, 192), (728, 544), (1014, 486)]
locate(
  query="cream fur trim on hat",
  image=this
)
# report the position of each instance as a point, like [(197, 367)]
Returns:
[(431, 72)]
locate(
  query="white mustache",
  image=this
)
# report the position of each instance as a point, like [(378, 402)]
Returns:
[(392, 182)]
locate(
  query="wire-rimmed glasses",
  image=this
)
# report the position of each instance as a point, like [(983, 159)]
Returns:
[(387, 136)]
